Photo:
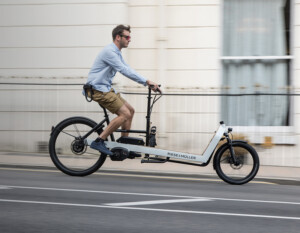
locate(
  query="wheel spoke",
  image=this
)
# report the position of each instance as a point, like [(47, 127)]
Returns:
[(77, 130), (225, 158), (68, 134)]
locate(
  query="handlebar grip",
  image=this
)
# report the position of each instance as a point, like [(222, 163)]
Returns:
[(152, 86), (158, 90)]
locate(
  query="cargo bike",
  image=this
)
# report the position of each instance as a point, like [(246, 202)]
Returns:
[(235, 161)]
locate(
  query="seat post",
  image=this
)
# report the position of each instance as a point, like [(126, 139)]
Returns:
[(104, 110)]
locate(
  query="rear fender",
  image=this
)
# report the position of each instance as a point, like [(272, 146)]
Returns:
[(54, 128)]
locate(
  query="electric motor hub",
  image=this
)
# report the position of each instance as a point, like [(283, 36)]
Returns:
[(78, 147)]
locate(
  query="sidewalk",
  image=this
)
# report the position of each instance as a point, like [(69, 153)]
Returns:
[(134, 165)]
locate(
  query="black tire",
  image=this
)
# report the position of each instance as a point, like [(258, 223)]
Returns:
[(71, 155), (241, 173)]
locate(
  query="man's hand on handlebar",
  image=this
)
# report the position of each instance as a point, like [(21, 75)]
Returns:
[(154, 86)]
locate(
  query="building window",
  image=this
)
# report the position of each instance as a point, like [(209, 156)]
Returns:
[(256, 59)]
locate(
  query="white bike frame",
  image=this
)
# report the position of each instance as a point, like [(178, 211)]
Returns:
[(172, 154)]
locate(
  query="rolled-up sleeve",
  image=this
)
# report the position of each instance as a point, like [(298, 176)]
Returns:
[(115, 61)]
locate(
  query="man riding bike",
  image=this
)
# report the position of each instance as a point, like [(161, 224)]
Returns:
[(108, 62)]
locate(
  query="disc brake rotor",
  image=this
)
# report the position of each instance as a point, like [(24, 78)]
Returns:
[(238, 165)]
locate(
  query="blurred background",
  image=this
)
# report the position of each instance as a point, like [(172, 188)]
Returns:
[(230, 60)]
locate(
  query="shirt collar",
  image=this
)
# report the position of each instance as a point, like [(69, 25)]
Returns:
[(115, 47)]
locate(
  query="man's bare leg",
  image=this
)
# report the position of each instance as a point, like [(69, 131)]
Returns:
[(123, 116), (127, 124)]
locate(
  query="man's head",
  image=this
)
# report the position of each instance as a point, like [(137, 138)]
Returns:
[(121, 36)]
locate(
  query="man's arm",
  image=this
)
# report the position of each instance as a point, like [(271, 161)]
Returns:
[(112, 59)]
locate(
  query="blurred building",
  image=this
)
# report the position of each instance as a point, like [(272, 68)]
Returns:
[(248, 49)]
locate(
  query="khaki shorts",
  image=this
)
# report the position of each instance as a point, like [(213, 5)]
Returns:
[(109, 100)]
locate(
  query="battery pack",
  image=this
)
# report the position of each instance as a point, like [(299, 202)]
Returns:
[(131, 140)]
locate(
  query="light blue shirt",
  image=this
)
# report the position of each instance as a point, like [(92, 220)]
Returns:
[(105, 67)]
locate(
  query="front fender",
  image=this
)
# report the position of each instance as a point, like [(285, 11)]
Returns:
[(242, 141)]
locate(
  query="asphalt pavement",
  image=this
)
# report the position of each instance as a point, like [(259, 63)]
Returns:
[(41, 199)]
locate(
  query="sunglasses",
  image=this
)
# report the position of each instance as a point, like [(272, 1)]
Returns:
[(126, 37)]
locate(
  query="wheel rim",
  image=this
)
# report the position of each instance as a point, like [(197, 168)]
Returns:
[(71, 151), (240, 171)]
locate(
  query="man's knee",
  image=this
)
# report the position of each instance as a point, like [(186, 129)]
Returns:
[(130, 108), (124, 113)]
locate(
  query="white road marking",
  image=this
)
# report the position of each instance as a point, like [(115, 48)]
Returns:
[(4, 187), (96, 191), (152, 209), (157, 202), (153, 195), (258, 201)]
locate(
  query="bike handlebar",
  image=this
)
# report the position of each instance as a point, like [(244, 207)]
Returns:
[(156, 90)]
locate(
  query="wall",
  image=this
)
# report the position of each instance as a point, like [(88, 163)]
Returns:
[(47, 41), (176, 43)]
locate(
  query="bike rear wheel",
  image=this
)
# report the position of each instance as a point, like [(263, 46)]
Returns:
[(69, 152), (245, 168)]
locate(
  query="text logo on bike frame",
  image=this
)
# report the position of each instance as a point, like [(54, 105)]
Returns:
[(182, 156)]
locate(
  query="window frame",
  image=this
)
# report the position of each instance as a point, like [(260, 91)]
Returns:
[(284, 135)]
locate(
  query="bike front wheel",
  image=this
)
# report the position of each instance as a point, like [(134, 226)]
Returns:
[(243, 170), (68, 150)]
